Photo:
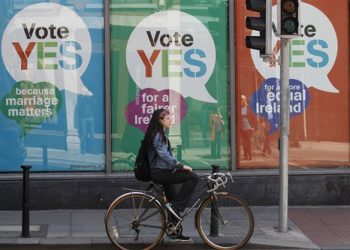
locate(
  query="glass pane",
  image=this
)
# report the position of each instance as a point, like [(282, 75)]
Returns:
[(319, 91), (52, 89), (170, 54)]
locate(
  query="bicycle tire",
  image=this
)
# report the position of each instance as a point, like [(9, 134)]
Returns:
[(135, 210), (239, 219)]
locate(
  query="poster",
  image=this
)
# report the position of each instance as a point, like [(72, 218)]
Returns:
[(170, 54), (52, 86), (319, 91)]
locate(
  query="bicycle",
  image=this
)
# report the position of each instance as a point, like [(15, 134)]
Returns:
[(223, 220)]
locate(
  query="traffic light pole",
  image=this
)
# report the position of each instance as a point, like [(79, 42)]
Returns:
[(284, 135), (288, 27)]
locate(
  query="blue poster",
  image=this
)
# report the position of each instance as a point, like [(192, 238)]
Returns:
[(52, 85), (265, 102)]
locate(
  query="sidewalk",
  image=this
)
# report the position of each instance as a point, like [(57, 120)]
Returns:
[(328, 227), (77, 228)]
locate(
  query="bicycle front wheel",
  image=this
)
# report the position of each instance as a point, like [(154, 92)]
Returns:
[(135, 221), (225, 221)]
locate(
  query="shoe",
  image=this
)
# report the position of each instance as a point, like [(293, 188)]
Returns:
[(174, 211), (183, 238)]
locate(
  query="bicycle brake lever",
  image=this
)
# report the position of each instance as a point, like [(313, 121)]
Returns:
[(228, 174)]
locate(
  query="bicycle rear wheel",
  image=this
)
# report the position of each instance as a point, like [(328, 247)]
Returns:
[(135, 221), (225, 221)]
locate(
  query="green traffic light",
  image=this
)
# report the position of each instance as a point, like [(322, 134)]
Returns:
[(290, 25), (289, 17)]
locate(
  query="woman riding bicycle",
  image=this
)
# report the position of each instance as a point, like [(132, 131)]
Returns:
[(223, 220), (165, 169)]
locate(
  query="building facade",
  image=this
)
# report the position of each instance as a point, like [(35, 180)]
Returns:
[(80, 80)]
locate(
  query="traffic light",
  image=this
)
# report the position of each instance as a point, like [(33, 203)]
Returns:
[(288, 14), (263, 24)]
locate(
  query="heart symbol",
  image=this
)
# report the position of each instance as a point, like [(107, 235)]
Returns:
[(29, 104)]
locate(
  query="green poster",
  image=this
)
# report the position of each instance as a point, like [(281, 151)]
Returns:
[(173, 55)]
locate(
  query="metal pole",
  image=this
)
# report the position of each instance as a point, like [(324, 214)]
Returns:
[(214, 223), (25, 204), (284, 134), (232, 68), (108, 98)]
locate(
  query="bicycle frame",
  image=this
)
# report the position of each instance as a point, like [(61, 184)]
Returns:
[(201, 198), (162, 200)]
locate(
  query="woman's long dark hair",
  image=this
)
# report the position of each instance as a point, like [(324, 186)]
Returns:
[(155, 127)]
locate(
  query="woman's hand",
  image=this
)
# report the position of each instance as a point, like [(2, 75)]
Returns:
[(187, 168)]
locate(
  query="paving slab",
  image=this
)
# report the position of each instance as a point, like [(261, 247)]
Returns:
[(66, 241), (327, 227), (59, 231), (51, 217), (86, 228), (28, 241)]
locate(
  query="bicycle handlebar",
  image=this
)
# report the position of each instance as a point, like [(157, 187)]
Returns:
[(219, 179)]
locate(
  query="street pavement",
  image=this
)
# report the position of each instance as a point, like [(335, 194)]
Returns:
[(328, 227), (309, 228)]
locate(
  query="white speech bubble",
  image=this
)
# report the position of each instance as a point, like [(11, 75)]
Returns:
[(317, 52), (186, 72), (62, 48)]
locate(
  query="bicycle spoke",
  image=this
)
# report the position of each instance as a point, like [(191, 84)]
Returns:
[(234, 222), (135, 217), (149, 216), (218, 215), (133, 204), (140, 207), (143, 213), (151, 226), (123, 225)]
